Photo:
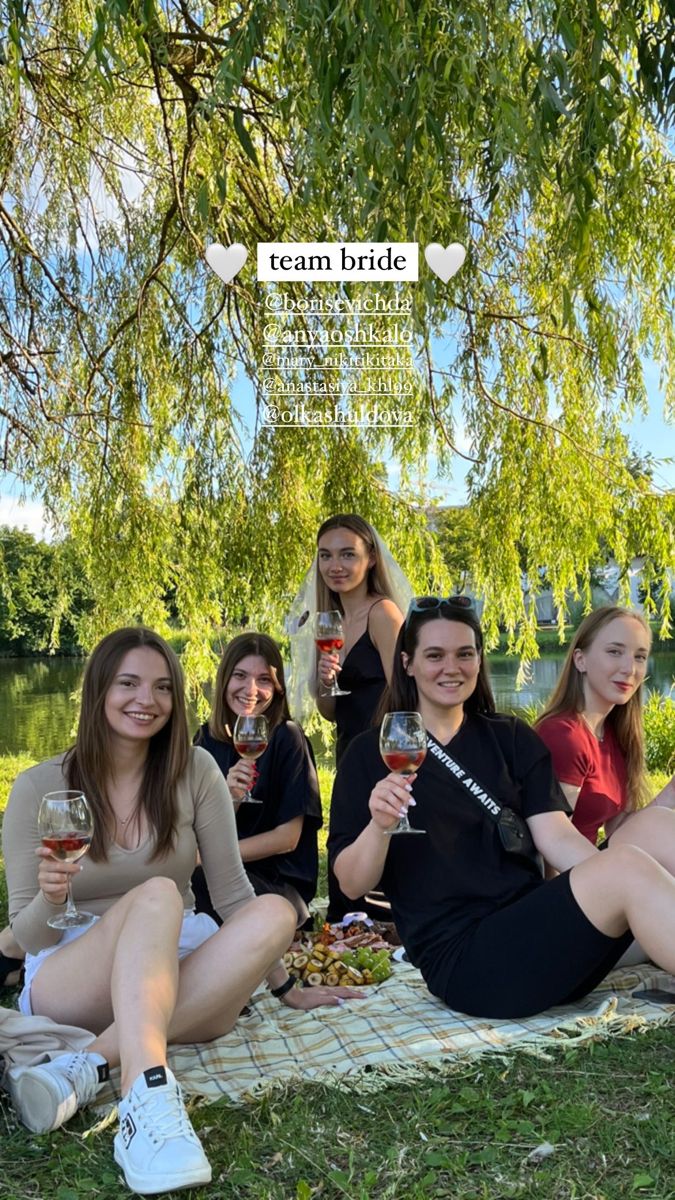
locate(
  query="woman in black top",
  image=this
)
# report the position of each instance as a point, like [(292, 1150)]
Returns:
[(491, 937), (356, 576), (278, 839), (352, 578)]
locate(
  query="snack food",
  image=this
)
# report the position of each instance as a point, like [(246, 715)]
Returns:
[(355, 954)]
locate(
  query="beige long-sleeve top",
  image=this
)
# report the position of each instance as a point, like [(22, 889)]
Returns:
[(205, 824)]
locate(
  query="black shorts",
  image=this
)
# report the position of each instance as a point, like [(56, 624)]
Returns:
[(261, 886), (539, 951)]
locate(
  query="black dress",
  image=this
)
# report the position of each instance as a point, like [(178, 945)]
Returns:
[(363, 676)]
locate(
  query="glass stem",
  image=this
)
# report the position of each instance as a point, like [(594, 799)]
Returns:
[(71, 910)]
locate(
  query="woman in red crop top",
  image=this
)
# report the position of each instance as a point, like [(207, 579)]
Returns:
[(592, 726)]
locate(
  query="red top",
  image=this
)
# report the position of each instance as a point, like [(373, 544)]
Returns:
[(597, 768)]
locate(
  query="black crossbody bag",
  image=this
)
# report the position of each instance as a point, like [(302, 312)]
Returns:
[(513, 831)]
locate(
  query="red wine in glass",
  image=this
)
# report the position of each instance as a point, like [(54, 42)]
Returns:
[(66, 827), (403, 746), (329, 637), (250, 740), (404, 762), (250, 750), (68, 846)]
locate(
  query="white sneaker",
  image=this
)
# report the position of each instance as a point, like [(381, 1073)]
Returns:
[(47, 1095), (156, 1146)]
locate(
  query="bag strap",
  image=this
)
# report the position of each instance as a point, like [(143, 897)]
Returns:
[(474, 788)]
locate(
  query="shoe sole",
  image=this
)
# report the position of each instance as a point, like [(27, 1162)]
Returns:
[(150, 1185), (39, 1102)]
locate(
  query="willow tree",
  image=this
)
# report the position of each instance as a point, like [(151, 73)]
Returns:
[(134, 133)]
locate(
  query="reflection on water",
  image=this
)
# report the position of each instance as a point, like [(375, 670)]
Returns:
[(38, 697), (38, 705)]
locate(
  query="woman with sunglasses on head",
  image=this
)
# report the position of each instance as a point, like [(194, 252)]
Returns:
[(278, 837), (489, 934), (146, 970), (592, 726)]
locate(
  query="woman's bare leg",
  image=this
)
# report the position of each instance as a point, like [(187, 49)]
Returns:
[(126, 963), (653, 830), (129, 989), (625, 888), (216, 980)]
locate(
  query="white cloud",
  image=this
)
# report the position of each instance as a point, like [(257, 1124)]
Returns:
[(28, 514)]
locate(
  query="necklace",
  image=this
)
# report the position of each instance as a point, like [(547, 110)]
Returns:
[(600, 737)]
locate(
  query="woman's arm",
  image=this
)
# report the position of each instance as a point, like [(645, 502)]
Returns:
[(385, 620), (29, 907), (283, 839), (327, 667), (559, 843), (359, 867)]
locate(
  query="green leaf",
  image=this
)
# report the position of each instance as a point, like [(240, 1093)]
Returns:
[(642, 1181), (243, 134)]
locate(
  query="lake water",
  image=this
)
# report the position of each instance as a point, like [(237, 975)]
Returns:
[(38, 706)]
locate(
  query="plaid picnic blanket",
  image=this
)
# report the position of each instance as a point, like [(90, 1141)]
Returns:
[(399, 1031)]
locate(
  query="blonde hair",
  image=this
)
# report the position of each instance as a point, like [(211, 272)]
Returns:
[(625, 719), (377, 581)]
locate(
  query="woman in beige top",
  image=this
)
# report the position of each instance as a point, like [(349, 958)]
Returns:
[(156, 802)]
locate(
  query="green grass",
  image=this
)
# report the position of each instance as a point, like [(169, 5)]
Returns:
[(606, 1109), (467, 1134)]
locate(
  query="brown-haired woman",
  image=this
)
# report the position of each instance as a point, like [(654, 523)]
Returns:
[(156, 802), (489, 934), (592, 725), (354, 574), (277, 838), (352, 577)]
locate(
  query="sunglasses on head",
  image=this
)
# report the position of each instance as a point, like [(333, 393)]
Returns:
[(425, 604)]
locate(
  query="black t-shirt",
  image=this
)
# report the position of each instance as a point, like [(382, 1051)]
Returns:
[(288, 786), (439, 885)]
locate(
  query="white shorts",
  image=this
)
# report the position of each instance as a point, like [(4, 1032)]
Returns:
[(196, 929)]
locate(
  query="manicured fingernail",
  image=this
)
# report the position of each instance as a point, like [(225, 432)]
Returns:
[(340, 1001), (408, 787), (403, 812), (412, 802)]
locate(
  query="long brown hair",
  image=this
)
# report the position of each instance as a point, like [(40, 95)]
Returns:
[(401, 694), (222, 719), (88, 765), (377, 579), (625, 719)]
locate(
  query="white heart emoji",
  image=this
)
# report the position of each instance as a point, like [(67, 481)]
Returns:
[(445, 262), (226, 261)]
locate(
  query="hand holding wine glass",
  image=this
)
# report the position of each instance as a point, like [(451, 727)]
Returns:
[(66, 827), (403, 746), (329, 637), (250, 740)]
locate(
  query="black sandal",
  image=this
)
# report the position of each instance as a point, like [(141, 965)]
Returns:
[(8, 966)]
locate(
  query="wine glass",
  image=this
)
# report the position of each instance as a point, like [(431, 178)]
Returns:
[(403, 746), (250, 741), (66, 827), (329, 636)]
